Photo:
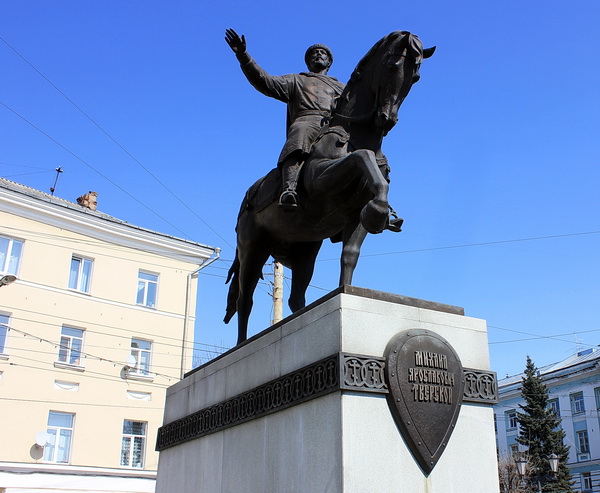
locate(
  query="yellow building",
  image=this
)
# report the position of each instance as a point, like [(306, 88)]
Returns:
[(96, 326)]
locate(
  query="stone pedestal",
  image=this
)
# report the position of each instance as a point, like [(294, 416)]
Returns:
[(282, 413)]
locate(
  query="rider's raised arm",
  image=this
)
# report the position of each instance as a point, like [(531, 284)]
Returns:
[(278, 87)]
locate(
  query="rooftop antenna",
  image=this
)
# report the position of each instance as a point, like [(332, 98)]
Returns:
[(59, 170)]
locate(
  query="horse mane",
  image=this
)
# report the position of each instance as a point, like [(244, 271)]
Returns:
[(389, 45), (390, 38)]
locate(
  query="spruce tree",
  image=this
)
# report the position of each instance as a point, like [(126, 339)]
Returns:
[(540, 433)]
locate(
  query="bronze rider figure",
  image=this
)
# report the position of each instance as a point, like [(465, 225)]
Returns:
[(310, 97)]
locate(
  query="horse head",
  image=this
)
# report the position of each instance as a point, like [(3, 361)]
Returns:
[(386, 74)]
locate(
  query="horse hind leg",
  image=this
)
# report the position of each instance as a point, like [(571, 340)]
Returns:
[(249, 274)]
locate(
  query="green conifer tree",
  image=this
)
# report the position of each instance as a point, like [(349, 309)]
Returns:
[(540, 433)]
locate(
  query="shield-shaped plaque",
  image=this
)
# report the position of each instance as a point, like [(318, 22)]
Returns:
[(425, 379)]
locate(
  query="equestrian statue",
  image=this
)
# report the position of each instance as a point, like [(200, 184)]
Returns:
[(332, 178)]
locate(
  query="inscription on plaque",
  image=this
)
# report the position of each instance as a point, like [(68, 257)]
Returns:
[(426, 385), (432, 382)]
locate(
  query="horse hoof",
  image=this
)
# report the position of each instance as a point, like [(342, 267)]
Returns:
[(374, 217)]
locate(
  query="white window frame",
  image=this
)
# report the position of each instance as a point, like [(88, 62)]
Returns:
[(5, 327), (5, 266), (511, 416), (586, 482), (128, 442), (553, 405), (141, 354), (79, 281), (143, 289), (55, 431), (583, 439), (577, 404), (68, 346)]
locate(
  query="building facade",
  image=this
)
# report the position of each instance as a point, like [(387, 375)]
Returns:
[(98, 323), (574, 394)]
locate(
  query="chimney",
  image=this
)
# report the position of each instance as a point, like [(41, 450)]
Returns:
[(88, 200)]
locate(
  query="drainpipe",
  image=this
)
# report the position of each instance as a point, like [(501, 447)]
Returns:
[(186, 315)]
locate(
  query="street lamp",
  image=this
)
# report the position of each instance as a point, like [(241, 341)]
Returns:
[(521, 462), (6, 280), (521, 465)]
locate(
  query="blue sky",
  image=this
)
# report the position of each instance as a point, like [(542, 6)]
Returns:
[(495, 159)]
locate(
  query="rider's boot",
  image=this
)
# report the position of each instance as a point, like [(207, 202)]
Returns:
[(288, 200)]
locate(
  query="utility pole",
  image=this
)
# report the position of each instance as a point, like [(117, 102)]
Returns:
[(277, 292)]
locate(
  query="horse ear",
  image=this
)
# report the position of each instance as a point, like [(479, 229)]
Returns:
[(427, 52)]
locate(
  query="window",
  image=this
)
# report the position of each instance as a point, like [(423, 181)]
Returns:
[(147, 288), (71, 344), (133, 444), (554, 407), (577, 406), (80, 274), (586, 481), (141, 350), (511, 419), (60, 429), (514, 450), (3, 332), (597, 394), (10, 254), (583, 444)]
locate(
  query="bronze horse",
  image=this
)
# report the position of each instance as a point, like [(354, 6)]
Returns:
[(343, 189)]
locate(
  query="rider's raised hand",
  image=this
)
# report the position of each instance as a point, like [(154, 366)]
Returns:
[(237, 44)]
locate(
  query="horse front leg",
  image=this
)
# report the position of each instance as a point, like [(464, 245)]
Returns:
[(353, 238), (374, 215), (334, 175)]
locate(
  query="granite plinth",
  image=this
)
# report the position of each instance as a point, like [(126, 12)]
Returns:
[(343, 441)]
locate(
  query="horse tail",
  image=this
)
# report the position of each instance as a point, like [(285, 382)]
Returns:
[(234, 289)]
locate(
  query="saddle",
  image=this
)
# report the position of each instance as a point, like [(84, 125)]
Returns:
[(264, 192)]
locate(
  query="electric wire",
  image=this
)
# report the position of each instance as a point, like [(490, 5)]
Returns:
[(112, 139), (85, 324), (86, 374), (66, 149), (72, 403), (84, 354)]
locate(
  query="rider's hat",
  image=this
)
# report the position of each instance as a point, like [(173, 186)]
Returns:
[(315, 47)]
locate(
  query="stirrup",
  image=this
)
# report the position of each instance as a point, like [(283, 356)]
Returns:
[(394, 222), (288, 200)]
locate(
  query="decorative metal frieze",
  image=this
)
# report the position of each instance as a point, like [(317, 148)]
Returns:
[(343, 371), (302, 385), (363, 373), (480, 386)]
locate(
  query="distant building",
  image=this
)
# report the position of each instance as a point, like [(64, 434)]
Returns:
[(97, 325), (574, 387)]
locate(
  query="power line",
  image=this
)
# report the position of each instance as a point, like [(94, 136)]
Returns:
[(26, 174), (86, 324), (468, 245), (88, 243), (71, 403), (93, 168), (85, 354), (114, 141), (537, 337), (26, 166), (88, 373)]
